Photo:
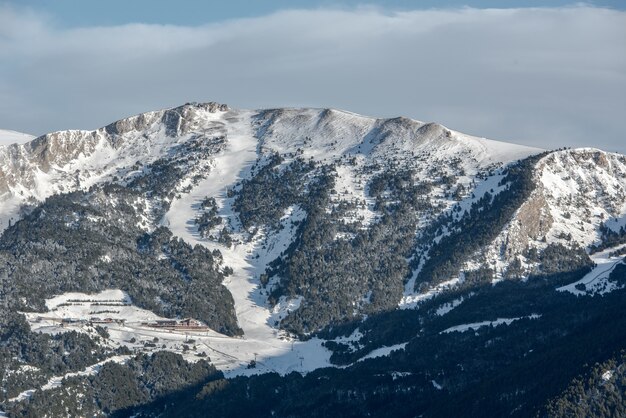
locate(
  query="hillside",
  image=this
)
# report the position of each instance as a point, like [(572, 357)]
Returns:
[(403, 261)]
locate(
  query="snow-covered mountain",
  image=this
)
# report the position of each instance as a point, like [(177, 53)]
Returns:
[(321, 225), (69, 160), (577, 192), (580, 196)]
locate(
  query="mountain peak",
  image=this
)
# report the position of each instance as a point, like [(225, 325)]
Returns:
[(434, 130)]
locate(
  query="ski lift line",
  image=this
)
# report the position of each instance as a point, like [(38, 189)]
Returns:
[(171, 331), (221, 352), (236, 359)]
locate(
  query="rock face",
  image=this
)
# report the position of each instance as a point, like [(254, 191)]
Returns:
[(69, 160), (57, 149), (177, 121), (578, 193), (531, 223)]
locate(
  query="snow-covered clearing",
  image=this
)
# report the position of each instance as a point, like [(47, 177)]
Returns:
[(596, 281), (476, 325), (112, 303), (83, 312)]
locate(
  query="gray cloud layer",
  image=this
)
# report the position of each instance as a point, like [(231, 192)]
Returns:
[(544, 77)]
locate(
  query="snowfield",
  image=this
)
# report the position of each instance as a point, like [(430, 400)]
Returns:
[(13, 137)]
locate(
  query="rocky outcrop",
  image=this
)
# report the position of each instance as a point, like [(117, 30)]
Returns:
[(64, 161), (577, 192), (50, 154), (532, 222), (177, 121)]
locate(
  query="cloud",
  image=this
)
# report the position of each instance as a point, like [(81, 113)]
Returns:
[(550, 77)]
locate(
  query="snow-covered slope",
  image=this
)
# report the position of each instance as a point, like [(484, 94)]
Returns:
[(358, 148), (326, 134), (441, 214), (68, 160), (363, 147), (13, 137)]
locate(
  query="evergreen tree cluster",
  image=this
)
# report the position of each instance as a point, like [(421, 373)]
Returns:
[(29, 359), (208, 218), (476, 228), (263, 199), (601, 392), (117, 388), (92, 241), (609, 238), (345, 278), (527, 368)]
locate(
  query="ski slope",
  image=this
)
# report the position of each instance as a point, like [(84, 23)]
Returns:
[(273, 350)]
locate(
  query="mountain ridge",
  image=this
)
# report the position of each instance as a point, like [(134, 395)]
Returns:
[(28, 169), (313, 242)]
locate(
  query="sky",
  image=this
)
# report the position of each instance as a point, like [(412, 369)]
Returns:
[(542, 73)]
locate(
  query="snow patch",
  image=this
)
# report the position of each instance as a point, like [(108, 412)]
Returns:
[(284, 307), (383, 351), (476, 325), (449, 306), (411, 300), (436, 385), (399, 375), (607, 375)]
